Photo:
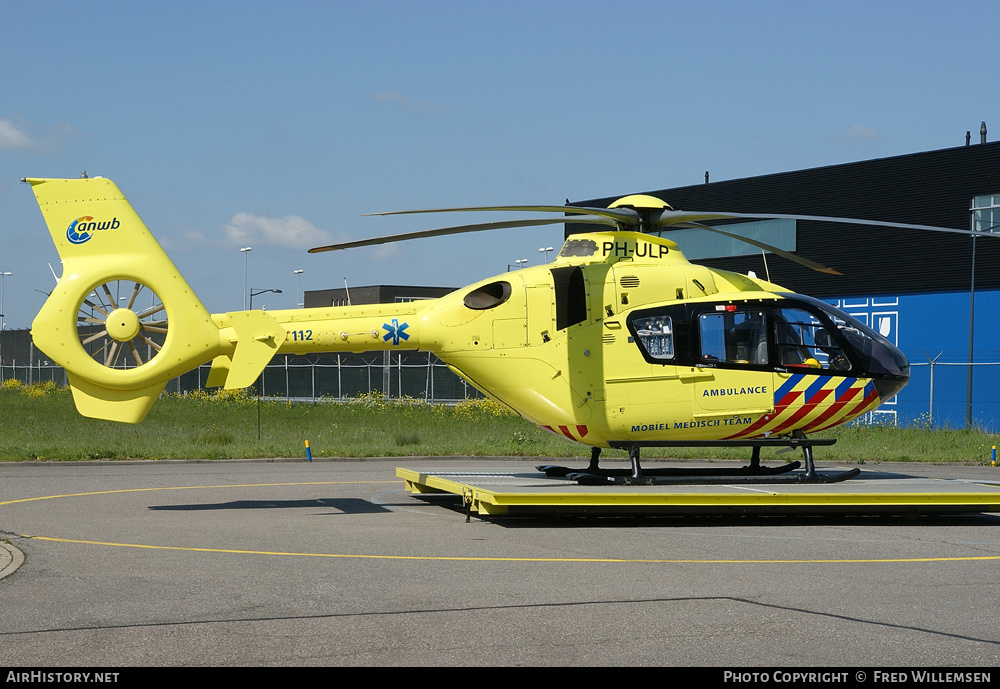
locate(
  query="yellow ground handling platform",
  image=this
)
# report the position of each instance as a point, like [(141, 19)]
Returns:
[(518, 489)]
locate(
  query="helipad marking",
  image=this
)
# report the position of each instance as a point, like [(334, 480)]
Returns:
[(227, 485), (439, 558), (467, 558)]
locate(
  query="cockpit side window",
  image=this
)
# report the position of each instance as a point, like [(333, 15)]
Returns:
[(735, 337)]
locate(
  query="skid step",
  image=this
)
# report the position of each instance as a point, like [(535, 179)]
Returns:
[(754, 473)]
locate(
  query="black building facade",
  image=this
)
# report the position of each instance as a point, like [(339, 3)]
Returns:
[(933, 188)]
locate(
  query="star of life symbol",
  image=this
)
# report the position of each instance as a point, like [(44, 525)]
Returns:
[(395, 331)]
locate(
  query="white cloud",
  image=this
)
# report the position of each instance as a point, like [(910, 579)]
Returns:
[(290, 231), (405, 102), (248, 229), (859, 132), (13, 137), (18, 136), (387, 252)]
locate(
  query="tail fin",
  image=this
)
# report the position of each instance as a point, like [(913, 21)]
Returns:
[(112, 268)]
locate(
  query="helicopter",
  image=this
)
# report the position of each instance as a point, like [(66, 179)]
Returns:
[(619, 342)]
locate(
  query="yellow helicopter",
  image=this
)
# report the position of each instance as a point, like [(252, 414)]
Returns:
[(619, 342)]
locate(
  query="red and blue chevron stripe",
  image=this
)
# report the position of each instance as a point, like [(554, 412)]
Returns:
[(813, 403)]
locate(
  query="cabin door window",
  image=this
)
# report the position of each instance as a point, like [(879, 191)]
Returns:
[(733, 337)]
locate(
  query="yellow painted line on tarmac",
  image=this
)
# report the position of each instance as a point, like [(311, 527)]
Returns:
[(440, 558), (227, 485)]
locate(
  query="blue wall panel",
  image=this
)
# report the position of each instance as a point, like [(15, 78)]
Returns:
[(930, 325)]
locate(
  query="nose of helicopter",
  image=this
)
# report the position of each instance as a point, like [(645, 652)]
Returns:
[(886, 359), (888, 387)]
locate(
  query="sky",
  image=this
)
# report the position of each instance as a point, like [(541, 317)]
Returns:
[(278, 125)]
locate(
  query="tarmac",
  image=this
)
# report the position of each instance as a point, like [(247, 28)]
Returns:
[(268, 563)]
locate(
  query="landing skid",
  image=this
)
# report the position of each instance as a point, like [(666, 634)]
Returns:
[(555, 471), (586, 479), (753, 473)]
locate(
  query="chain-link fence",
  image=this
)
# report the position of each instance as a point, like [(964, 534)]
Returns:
[(937, 395), (950, 395), (416, 375)]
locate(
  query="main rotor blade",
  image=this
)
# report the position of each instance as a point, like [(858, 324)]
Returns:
[(479, 227), (767, 247), (624, 216), (669, 217)]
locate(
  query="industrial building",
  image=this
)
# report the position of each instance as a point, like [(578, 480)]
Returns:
[(371, 294)]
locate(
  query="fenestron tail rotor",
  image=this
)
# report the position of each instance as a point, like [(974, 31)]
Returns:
[(113, 324), (105, 321)]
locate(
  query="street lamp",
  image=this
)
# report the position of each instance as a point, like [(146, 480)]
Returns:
[(3, 276), (545, 250), (298, 287), (520, 263), (254, 293), (246, 259)]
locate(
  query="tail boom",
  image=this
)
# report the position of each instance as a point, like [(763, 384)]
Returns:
[(102, 241), (250, 339)]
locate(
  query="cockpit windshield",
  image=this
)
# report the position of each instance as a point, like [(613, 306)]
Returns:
[(880, 356)]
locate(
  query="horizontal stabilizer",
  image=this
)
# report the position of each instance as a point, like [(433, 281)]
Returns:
[(258, 337), (219, 372)]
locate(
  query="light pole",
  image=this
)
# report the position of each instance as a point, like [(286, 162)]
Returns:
[(3, 277), (520, 263), (3, 322), (545, 250), (246, 260), (254, 293), (972, 325), (298, 287)]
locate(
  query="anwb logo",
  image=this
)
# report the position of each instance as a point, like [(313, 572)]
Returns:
[(83, 228)]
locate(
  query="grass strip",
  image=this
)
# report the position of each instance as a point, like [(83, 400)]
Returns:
[(41, 422)]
